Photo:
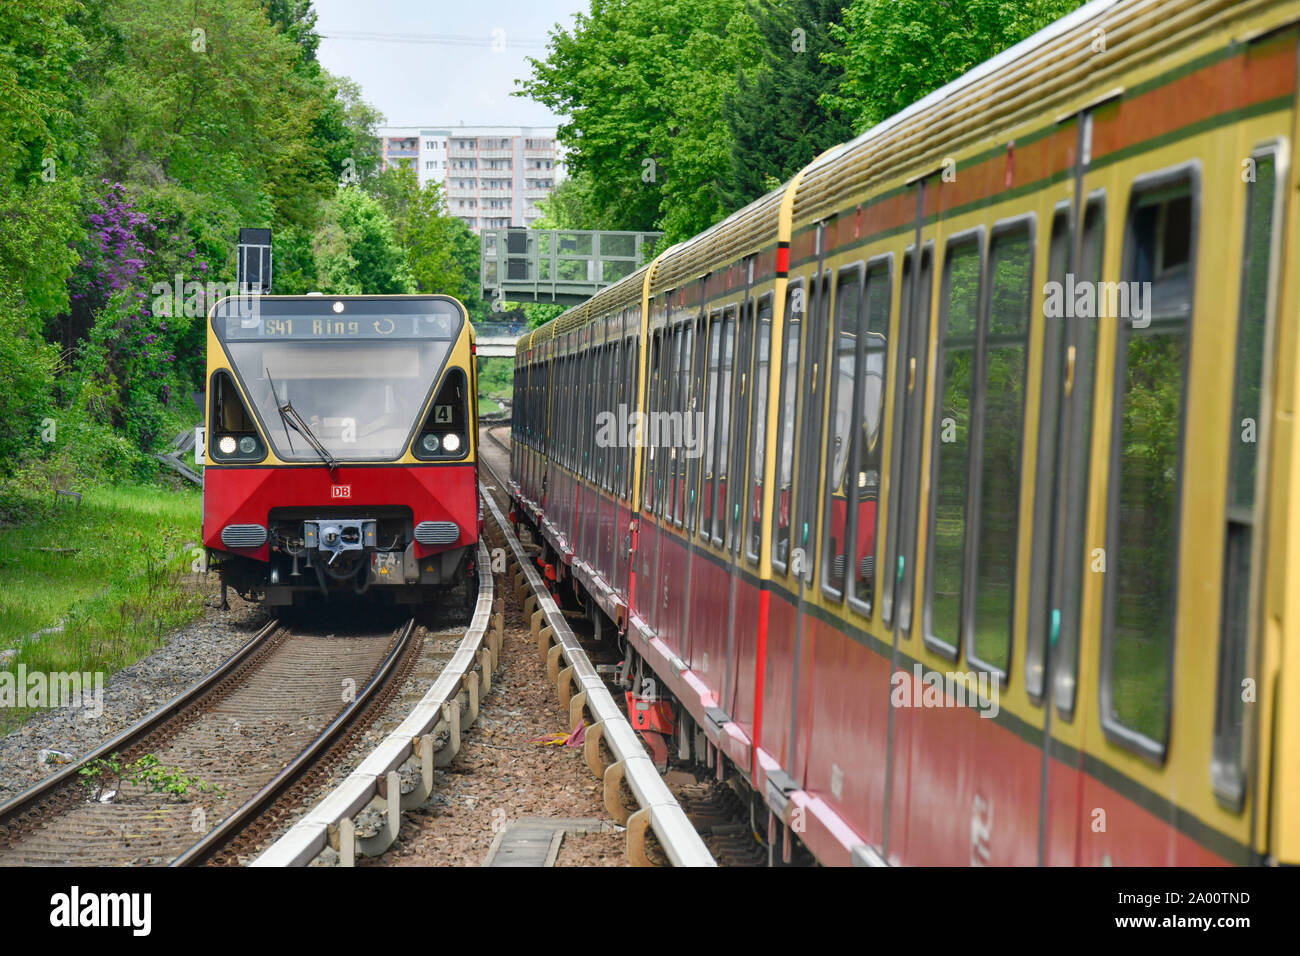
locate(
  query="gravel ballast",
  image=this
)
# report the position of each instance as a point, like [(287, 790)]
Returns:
[(129, 694)]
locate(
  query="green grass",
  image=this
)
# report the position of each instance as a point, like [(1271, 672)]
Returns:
[(114, 573), (487, 406)]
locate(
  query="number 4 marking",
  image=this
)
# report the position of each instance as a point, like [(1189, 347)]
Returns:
[(442, 414)]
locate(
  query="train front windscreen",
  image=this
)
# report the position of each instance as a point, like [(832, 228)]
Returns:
[(350, 374)]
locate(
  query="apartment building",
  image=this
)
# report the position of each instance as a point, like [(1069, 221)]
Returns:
[(494, 176)]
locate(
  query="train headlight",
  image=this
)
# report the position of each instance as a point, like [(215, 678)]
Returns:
[(227, 444), (451, 443), (247, 445), (429, 443)]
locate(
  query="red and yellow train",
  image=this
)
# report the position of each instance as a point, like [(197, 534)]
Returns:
[(341, 440), (971, 540)]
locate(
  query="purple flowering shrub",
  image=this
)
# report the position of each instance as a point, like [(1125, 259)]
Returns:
[(139, 360)]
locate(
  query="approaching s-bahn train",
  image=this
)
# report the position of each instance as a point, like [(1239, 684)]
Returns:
[(976, 535), (340, 447)]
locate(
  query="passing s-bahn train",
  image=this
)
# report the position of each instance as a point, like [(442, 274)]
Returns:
[(974, 536), (341, 445)]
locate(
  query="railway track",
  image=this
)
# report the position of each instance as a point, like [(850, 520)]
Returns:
[(255, 728)]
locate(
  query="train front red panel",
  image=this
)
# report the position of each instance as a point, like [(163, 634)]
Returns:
[(246, 495)]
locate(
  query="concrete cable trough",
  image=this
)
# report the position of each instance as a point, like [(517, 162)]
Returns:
[(659, 809), (468, 675)]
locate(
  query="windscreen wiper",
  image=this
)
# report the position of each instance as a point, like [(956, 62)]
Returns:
[(290, 414), (283, 420), (291, 419)]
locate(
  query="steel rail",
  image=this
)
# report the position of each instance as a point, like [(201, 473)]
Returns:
[(216, 838), (376, 778), (32, 796)]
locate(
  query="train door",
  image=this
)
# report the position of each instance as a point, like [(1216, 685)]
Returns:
[(1060, 504), (898, 576), (731, 495), (627, 454), (648, 529)]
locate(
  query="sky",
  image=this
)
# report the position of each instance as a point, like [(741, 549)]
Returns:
[(466, 78)]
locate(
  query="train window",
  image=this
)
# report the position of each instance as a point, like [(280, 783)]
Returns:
[(609, 362), (843, 372), (594, 453), (667, 375), (613, 363), (681, 343), (668, 453), (1001, 381), (733, 493), (1045, 489), (815, 377), (795, 306), (951, 425), (1075, 558), (726, 364), (650, 445), (566, 404), (560, 404), (615, 429), (571, 424), (1249, 412), (589, 420), (758, 431), (589, 401), (612, 400), (688, 459), (631, 399), (610, 357), (1151, 357), (911, 371), (711, 403), (873, 353)]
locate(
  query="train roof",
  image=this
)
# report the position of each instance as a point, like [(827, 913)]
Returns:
[(1057, 72)]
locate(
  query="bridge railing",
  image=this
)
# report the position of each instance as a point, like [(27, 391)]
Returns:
[(565, 266)]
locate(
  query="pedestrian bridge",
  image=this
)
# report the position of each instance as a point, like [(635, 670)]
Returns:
[(561, 266), (497, 339)]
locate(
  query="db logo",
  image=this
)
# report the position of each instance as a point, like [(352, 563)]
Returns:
[(341, 491)]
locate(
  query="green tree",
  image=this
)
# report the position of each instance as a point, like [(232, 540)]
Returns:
[(40, 133), (206, 106), (645, 85), (442, 251), (896, 51), (296, 20), (572, 205), (778, 120), (357, 252), (295, 263)]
